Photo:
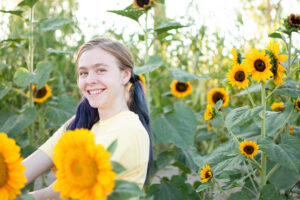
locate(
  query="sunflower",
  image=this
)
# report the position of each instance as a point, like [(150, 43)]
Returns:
[(143, 4), (216, 94), (205, 173), (237, 58), (294, 20), (181, 89), (277, 105), (83, 168), (42, 94), (291, 129), (249, 148), (238, 76), (209, 112), (277, 69), (12, 178), (258, 65), (297, 104), (142, 78)]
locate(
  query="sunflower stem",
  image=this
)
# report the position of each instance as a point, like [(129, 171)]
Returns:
[(250, 97), (147, 85), (277, 86), (219, 187), (254, 162), (289, 53), (272, 171), (250, 175), (263, 135)]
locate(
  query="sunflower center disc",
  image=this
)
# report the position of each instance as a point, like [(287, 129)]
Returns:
[(181, 87), (239, 76), (249, 150), (141, 3), (259, 65), (208, 174), (298, 104), (217, 96), (40, 93), (3, 171), (82, 170)]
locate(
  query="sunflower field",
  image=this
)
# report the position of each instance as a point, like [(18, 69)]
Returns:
[(225, 121)]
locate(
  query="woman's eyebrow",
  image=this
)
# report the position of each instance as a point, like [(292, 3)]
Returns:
[(93, 66)]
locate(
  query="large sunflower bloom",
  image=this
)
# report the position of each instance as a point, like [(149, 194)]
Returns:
[(143, 4), (249, 148), (209, 112), (42, 94), (237, 58), (277, 69), (142, 78), (277, 105), (297, 104), (83, 168), (238, 76), (216, 94), (205, 173), (12, 178), (258, 65), (181, 89)]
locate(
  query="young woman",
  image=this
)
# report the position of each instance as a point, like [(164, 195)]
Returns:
[(113, 107)]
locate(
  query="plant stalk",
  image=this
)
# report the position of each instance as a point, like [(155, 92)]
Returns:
[(263, 135), (250, 97), (147, 86), (272, 171)]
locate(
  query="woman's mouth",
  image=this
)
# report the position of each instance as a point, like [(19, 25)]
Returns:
[(95, 92)]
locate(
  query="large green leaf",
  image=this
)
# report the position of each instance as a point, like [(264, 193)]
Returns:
[(4, 90), (178, 127), (16, 123), (287, 153), (289, 88), (118, 168), (241, 195), (14, 12), (23, 77), (29, 3), (190, 158), (125, 190), (129, 12), (43, 72), (269, 192), (64, 110), (53, 24), (166, 26), (58, 52), (25, 197), (184, 76), (240, 116), (166, 191), (153, 63), (2, 66)]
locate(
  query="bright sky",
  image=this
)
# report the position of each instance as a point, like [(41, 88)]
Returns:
[(215, 14)]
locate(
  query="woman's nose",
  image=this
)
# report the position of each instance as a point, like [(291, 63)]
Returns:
[(92, 78)]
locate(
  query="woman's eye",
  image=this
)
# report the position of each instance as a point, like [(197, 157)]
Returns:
[(82, 73), (101, 70)]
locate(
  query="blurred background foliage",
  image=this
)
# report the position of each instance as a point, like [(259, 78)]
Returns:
[(187, 46)]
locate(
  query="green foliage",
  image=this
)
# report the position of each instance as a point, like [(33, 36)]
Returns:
[(153, 63), (125, 190)]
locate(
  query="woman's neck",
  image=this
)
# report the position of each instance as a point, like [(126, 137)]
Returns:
[(105, 114)]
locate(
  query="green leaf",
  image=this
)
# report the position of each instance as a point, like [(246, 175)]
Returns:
[(112, 147), (129, 12), (254, 88), (166, 26), (218, 104), (25, 197), (63, 111), (58, 52), (289, 88), (153, 63), (269, 192), (29, 3), (240, 195), (240, 116), (287, 154), (118, 168), (275, 35), (43, 72), (16, 123), (14, 12), (178, 127), (53, 24), (190, 158), (23, 77), (2, 66), (204, 186), (4, 90), (184, 76), (125, 190), (167, 191)]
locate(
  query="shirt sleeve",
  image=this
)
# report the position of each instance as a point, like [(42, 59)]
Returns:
[(48, 146)]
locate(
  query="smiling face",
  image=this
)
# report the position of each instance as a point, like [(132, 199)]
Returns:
[(101, 80)]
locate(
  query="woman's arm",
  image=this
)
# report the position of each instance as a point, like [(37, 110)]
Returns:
[(36, 164), (45, 193)]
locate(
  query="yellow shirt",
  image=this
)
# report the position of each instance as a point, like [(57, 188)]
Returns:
[(132, 147)]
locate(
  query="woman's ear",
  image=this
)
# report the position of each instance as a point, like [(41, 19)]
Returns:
[(126, 74)]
